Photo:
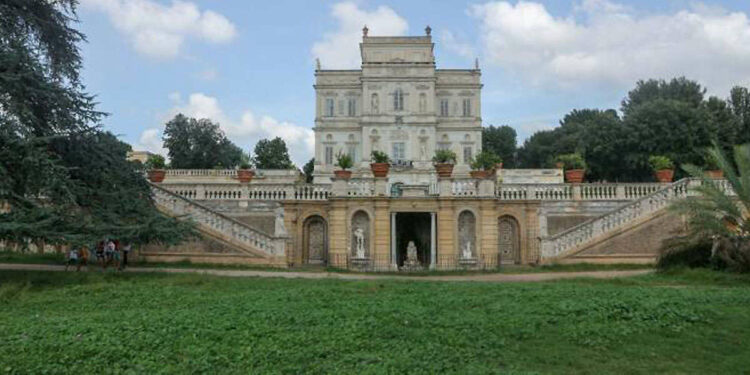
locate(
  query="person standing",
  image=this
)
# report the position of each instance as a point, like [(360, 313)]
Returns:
[(84, 255), (109, 253), (125, 252), (72, 257), (100, 253)]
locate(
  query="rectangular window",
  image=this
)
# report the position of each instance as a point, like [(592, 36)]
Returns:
[(399, 151), (398, 100), (352, 151), (467, 107), (329, 107), (341, 107), (329, 155), (467, 155), (352, 107), (444, 107)]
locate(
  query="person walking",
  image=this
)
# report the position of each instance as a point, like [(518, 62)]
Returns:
[(72, 257), (100, 253), (125, 252), (109, 253), (84, 255)]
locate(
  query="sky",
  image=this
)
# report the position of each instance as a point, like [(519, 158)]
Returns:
[(249, 65)]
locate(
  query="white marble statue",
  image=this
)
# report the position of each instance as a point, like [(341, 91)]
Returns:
[(411, 251), (359, 239), (466, 253)]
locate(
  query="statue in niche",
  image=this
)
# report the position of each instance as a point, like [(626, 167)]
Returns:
[(422, 103), (375, 103), (359, 238), (423, 151), (466, 253), (411, 263)]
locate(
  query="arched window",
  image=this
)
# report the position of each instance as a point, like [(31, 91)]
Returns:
[(398, 100)]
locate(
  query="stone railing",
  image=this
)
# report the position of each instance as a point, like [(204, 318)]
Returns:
[(360, 188), (587, 231), (588, 192), (202, 173), (233, 231), (464, 188), (198, 191)]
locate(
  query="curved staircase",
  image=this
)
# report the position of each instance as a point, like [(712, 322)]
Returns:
[(218, 227)]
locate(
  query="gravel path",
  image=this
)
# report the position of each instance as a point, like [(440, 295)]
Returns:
[(487, 277)]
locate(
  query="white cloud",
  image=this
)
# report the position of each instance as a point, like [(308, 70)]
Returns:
[(244, 132), (453, 44), (607, 44), (159, 31), (340, 49)]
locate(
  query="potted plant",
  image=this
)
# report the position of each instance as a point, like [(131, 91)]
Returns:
[(443, 161), (155, 165), (245, 172), (712, 168), (574, 166), (345, 162), (484, 164), (663, 167), (380, 163)]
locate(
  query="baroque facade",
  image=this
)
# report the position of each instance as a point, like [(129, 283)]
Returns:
[(398, 103)]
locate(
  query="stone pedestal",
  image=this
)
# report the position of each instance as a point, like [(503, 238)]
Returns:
[(467, 262), (381, 186), (414, 191), (444, 185), (359, 263), (486, 187), (340, 187)]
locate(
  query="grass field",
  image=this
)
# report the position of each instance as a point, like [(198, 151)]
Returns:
[(681, 322)]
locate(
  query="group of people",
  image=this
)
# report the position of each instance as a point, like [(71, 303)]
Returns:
[(109, 252)]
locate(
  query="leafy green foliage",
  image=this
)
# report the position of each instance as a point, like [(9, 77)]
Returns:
[(572, 161), (344, 160), (155, 161), (715, 214), (199, 144), (500, 140), (379, 157), (196, 323), (308, 170), (682, 252), (272, 154), (64, 180), (444, 156), (485, 161), (660, 162)]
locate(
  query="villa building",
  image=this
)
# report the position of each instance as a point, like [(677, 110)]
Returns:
[(401, 104)]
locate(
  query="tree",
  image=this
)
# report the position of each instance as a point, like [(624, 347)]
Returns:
[(272, 154), (199, 144), (308, 170), (739, 103), (62, 179), (716, 216), (501, 141), (538, 150)]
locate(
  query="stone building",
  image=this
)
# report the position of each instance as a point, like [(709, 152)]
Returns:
[(398, 103)]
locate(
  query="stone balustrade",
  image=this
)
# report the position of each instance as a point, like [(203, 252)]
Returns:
[(231, 229), (640, 208), (232, 173), (588, 192)]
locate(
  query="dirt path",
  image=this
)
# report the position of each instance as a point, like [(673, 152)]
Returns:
[(489, 277)]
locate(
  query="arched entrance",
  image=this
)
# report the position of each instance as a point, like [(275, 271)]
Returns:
[(316, 241), (508, 240)]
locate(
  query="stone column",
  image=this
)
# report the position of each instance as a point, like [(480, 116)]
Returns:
[(394, 259), (433, 240)]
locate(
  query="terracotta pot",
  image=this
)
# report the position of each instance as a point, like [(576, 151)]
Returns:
[(716, 174), (664, 175), (380, 169), (559, 165), (156, 175), (245, 175), (343, 174), (444, 169), (480, 174), (574, 176)]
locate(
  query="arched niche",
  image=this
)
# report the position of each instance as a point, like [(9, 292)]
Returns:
[(315, 240), (360, 235), (508, 239), (467, 235)]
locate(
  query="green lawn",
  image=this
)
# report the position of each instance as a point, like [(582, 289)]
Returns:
[(682, 322)]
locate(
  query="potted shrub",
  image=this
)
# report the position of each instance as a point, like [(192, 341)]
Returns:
[(712, 168), (484, 164), (345, 162), (155, 165), (245, 172), (574, 166), (663, 167), (443, 161), (380, 163)]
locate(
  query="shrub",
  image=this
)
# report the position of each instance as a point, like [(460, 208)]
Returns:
[(681, 252), (155, 162), (444, 157), (711, 163), (379, 157), (344, 161), (485, 161), (572, 161), (660, 162), (245, 162)]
